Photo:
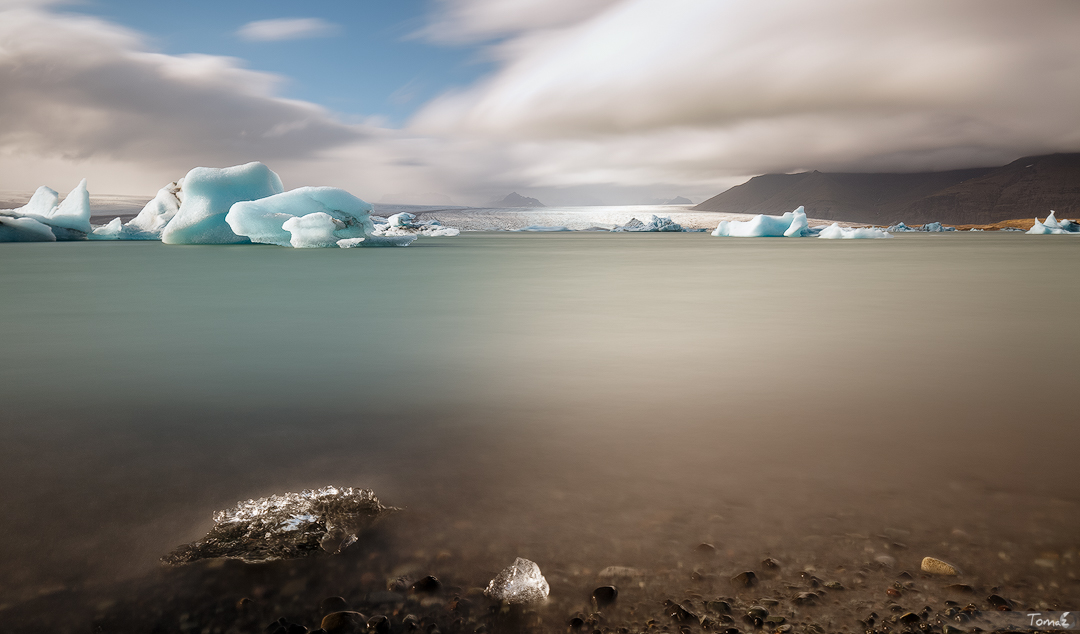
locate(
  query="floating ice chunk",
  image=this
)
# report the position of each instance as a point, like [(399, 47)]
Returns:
[(403, 219), (935, 227), (836, 232), (286, 526), (543, 229), (313, 230), (405, 223), (13, 229), (1051, 226), (899, 227), (156, 214), (111, 231), (792, 224), (69, 220), (653, 224), (520, 583), (265, 220), (378, 241), (209, 193)]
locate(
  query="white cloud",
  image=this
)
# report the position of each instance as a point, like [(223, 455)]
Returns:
[(287, 29), (690, 91)]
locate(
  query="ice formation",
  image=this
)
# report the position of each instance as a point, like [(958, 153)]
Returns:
[(405, 224), (1051, 226), (68, 220), (654, 223), (286, 526), (899, 227), (792, 224), (930, 227), (14, 229), (158, 212), (209, 194), (111, 231), (304, 217), (377, 241), (520, 583), (836, 232)]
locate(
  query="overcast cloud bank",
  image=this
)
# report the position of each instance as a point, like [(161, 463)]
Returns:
[(613, 97)]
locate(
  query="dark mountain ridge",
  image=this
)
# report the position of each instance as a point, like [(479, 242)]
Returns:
[(1027, 187)]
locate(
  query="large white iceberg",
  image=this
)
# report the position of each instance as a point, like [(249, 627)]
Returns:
[(304, 217), (1051, 226), (209, 194), (68, 220), (792, 224), (836, 232)]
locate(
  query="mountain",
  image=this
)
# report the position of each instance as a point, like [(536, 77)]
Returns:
[(679, 200), (1027, 187), (514, 199)]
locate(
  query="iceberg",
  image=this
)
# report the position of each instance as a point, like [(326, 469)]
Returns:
[(899, 227), (13, 229), (68, 220), (305, 217), (654, 223), (404, 223), (111, 231), (792, 224), (157, 213), (519, 583), (377, 241), (289, 526), (209, 194), (1051, 226), (836, 232)]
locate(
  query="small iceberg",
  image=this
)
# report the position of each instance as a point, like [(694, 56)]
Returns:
[(209, 194), (308, 217), (289, 526), (519, 583), (836, 232), (1051, 226), (67, 220), (792, 224), (653, 224), (405, 224), (931, 227)]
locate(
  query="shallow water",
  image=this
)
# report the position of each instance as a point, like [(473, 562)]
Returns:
[(582, 400)]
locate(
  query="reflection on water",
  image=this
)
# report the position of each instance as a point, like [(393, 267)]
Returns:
[(575, 399)]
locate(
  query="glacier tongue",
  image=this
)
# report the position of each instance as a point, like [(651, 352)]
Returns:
[(286, 526)]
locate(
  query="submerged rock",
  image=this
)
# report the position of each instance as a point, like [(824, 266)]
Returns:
[(286, 526), (520, 583)]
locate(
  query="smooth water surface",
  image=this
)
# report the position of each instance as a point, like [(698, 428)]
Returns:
[(586, 399)]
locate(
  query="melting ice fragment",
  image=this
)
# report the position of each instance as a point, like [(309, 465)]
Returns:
[(303, 217), (69, 220), (792, 224), (24, 230), (654, 223), (209, 193), (836, 232), (286, 526), (1051, 226), (405, 224), (520, 583)]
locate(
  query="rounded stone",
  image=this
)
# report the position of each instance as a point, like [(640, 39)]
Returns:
[(428, 585), (344, 622), (333, 604), (605, 596), (939, 567)]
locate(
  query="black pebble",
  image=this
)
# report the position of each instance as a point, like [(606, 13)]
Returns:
[(605, 596), (999, 602), (576, 623), (910, 618), (770, 564), (427, 585), (378, 623), (744, 579), (295, 628)]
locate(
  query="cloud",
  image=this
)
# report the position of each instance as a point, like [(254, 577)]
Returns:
[(647, 90), (461, 21), (287, 29), (80, 89)]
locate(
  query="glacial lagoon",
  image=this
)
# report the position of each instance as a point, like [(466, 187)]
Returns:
[(582, 400)]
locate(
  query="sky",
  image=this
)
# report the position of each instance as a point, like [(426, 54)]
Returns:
[(569, 101)]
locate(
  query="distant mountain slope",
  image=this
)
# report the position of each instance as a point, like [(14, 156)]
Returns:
[(515, 199), (1026, 187)]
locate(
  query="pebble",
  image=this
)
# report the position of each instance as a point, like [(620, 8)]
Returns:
[(344, 622), (770, 564), (705, 549), (427, 585), (605, 596), (885, 560), (744, 579), (378, 624), (939, 567)]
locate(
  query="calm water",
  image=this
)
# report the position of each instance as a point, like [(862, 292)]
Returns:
[(579, 399)]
